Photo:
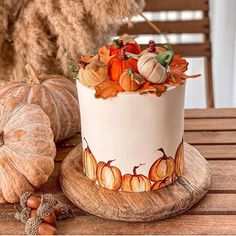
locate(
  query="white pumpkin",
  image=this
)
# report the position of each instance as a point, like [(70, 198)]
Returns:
[(152, 66)]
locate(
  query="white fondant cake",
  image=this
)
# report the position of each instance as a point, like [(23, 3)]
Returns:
[(132, 116)]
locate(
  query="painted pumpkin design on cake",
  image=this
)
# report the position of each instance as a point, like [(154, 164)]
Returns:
[(162, 168), (89, 163), (135, 182), (108, 176)]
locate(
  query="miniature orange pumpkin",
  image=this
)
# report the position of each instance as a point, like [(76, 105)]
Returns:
[(129, 80), (153, 48), (135, 183), (108, 176), (117, 65), (93, 72), (161, 168), (161, 183), (55, 94), (89, 163), (27, 148), (152, 66), (179, 160)]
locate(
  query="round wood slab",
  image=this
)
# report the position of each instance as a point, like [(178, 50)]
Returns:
[(144, 206)]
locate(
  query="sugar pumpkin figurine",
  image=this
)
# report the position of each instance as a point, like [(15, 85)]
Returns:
[(135, 182), (129, 80), (92, 72), (108, 176), (153, 67), (89, 163), (117, 65), (162, 167)]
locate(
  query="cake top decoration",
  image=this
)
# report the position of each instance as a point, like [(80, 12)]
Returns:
[(124, 67)]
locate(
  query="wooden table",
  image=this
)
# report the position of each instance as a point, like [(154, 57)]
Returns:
[(213, 133)]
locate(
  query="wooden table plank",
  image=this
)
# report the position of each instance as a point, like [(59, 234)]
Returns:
[(209, 124), (210, 137), (184, 224), (210, 113)]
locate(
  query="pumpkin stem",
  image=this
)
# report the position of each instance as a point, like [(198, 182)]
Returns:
[(117, 43), (1, 138), (136, 167), (82, 63), (152, 46), (132, 55), (165, 58), (109, 162), (123, 55), (163, 152), (33, 78), (86, 141)]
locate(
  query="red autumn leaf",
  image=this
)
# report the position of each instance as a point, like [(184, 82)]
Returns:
[(108, 89)]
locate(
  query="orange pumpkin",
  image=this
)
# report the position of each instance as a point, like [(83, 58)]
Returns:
[(135, 183), (129, 80), (108, 176), (153, 48), (162, 168), (161, 183), (179, 160), (89, 163), (117, 65)]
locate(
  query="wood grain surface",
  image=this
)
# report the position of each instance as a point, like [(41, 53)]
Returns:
[(214, 214)]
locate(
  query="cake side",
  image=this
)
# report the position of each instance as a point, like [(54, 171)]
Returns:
[(128, 130)]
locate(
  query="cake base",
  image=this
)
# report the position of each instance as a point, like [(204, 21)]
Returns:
[(136, 207)]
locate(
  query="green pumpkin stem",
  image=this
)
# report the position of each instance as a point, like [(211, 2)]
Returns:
[(165, 58)]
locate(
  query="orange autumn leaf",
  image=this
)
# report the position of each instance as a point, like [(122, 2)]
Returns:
[(108, 89), (104, 54), (156, 89)]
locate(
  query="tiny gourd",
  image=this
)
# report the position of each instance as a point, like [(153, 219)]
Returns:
[(135, 182), (162, 167), (129, 80), (109, 176), (153, 67), (89, 163), (93, 72)]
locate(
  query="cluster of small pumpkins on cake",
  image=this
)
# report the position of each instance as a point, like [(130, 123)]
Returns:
[(164, 171), (35, 114), (125, 67)]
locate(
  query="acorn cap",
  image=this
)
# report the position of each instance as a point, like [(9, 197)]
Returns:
[(45, 210), (49, 199), (23, 215), (23, 199), (66, 211), (32, 225)]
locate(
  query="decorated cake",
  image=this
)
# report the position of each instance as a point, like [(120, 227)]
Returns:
[(132, 115)]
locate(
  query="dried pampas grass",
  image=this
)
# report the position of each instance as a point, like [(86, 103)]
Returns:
[(48, 33)]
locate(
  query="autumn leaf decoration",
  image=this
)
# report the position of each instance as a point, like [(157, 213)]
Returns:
[(176, 75)]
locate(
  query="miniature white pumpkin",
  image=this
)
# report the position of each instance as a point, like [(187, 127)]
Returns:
[(152, 66)]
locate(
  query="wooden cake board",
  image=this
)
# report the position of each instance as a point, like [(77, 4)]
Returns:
[(136, 207)]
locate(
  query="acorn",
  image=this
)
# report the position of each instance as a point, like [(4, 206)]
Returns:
[(35, 226), (33, 201), (63, 211), (46, 213)]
